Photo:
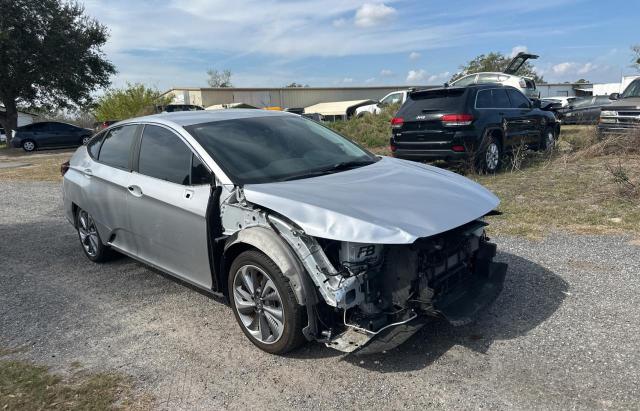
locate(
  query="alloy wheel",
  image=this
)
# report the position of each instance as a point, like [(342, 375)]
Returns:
[(258, 304), (550, 140), (492, 156), (29, 146), (88, 233), (85, 140)]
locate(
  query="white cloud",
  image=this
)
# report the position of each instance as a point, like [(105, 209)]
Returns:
[(518, 49), (568, 67), (587, 68), (370, 80), (347, 80), (386, 72), (372, 14), (439, 78), (416, 75), (414, 55), (562, 68)]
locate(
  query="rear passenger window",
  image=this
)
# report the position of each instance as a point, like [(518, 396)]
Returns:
[(163, 155), (500, 99), (483, 99), (94, 146), (116, 147), (518, 100)]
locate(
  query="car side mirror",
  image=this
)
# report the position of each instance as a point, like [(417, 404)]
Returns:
[(536, 103), (614, 96)]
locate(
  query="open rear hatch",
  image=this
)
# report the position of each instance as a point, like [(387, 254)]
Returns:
[(516, 63)]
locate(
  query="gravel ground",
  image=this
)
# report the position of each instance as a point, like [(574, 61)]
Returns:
[(563, 335)]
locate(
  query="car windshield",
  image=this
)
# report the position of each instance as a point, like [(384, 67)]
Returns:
[(277, 148), (633, 90)]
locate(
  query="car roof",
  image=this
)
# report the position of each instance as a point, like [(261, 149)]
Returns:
[(470, 86), (499, 73), (189, 118)]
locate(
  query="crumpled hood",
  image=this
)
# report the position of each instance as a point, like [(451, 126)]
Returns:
[(390, 202)]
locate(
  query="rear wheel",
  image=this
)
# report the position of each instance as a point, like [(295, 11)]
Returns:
[(90, 239), (490, 156), (28, 146), (85, 140), (264, 304), (548, 139)]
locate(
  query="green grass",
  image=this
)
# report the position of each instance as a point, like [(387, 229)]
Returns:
[(26, 386), (370, 131)]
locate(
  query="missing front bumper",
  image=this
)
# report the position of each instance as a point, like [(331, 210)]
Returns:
[(460, 307)]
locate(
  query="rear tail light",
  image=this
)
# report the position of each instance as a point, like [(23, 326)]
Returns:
[(458, 149), (397, 122), (64, 167), (457, 119)]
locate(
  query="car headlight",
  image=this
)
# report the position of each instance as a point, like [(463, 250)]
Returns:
[(608, 113)]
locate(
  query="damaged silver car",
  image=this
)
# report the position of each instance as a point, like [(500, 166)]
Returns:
[(306, 234)]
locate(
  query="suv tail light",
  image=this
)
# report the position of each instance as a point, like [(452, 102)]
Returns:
[(64, 167), (457, 119), (397, 122)]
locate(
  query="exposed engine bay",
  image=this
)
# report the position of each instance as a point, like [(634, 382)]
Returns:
[(375, 295)]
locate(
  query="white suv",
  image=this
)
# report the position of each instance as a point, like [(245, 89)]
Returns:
[(507, 77), (395, 97)]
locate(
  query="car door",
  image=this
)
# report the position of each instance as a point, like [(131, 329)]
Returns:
[(167, 200), (107, 176), (41, 134), (525, 119), (508, 117), (62, 135)]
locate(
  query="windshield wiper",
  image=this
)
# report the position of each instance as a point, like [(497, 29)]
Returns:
[(344, 165)]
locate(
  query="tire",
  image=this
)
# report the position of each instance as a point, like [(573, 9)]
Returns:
[(85, 140), (260, 295), (548, 140), (490, 156), (90, 240), (29, 146)]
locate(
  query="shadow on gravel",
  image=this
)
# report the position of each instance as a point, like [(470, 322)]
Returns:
[(531, 295)]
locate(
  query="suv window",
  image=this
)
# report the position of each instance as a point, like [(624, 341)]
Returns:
[(483, 99), (163, 155), (448, 99), (392, 99), (518, 100), (465, 81), (116, 147), (500, 99)]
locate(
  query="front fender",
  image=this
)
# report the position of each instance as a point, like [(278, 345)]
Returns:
[(274, 247)]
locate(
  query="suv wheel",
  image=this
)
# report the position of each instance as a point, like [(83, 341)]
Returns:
[(264, 304), (490, 156), (28, 146), (548, 139)]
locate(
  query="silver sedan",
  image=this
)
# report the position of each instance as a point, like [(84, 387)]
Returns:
[(306, 234)]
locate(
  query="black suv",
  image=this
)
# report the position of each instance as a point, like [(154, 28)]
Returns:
[(481, 121)]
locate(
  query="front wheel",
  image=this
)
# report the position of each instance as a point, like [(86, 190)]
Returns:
[(28, 146), (264, 304), (85, 140)]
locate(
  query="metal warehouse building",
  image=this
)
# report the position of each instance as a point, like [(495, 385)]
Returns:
[(288, 97)]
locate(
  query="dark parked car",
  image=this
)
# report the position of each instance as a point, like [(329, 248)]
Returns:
[(583, 110), (482, 121), (623, 114), (50, 134)]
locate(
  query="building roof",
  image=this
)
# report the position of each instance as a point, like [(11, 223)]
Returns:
[(335, 108)]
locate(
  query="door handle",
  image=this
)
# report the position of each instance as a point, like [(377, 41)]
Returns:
[(135, 191), (188, 193)]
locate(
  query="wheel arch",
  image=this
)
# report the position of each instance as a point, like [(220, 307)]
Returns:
[(273, 246)]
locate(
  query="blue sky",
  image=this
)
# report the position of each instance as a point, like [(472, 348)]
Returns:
[(166, 43)]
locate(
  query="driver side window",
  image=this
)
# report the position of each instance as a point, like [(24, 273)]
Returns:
[(518, 100)]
